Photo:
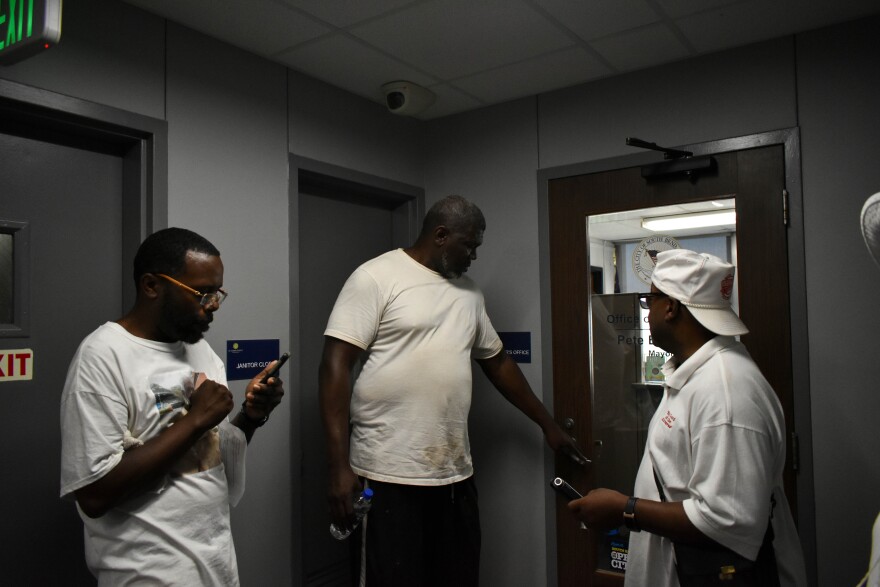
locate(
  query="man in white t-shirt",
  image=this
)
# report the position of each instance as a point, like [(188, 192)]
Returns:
[(148, 452), (716, 442), (417, 322)]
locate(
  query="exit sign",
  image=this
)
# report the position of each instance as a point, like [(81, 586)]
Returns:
[(16, 365), (28, 27)]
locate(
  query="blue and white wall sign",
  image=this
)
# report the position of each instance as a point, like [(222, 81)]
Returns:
[(518, 345), (246, 358)]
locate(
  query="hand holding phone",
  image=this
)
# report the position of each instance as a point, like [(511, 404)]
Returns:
[(560, 485), (274, 372)]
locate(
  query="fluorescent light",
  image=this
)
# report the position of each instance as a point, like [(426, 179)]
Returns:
[(695, 220)]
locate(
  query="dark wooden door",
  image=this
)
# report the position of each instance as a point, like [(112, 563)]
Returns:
[(756, 178)]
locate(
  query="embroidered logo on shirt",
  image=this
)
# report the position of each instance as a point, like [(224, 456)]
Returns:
[(668, 419)]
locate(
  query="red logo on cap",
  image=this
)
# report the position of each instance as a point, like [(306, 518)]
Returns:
[(727, 286)]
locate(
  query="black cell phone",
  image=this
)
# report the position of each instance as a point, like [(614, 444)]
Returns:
[(560, 485), (274, 372)]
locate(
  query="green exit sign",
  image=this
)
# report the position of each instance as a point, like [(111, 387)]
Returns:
[(28, 27)]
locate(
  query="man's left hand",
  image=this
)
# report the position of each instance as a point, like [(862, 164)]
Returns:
[(560, 441), (261, 398), (600, 509)]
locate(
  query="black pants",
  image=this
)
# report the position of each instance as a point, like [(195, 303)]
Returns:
[(420, 536)]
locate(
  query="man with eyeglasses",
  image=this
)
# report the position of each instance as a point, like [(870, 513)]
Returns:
[(148, 451), (711, 473)]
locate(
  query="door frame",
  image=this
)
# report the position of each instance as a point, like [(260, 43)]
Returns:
[(319, 178), (140, 140), (790, 140)]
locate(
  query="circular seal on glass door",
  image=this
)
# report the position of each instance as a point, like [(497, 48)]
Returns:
[(645, 255)]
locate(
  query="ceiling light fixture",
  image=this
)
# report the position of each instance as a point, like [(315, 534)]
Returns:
[(694, 220)]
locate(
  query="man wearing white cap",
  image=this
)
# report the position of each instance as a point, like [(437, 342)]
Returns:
[(715, 448)]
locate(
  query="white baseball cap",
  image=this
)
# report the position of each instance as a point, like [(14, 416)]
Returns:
[(871, 225), (703, 283)]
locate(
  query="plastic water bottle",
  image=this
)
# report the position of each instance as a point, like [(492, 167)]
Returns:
[(361, 507)]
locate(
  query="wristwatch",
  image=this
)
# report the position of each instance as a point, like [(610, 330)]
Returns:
[(252, 421), (629, 515)]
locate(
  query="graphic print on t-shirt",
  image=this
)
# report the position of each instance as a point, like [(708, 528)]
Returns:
[(173, 391)]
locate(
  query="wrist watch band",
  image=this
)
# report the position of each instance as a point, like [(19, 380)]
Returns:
[(256, 423), (629, 515)]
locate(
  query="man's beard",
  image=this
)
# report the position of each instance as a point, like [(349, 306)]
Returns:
[(447, 272), (183, 325)]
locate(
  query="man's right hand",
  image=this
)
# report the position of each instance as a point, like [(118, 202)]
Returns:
[(209, 404), (344, 485), (334, 392)]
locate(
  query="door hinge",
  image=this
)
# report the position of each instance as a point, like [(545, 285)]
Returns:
[(784, 207), (795, 452)]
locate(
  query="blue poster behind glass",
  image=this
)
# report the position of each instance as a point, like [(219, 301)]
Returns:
[(246, 358), (518, 345)]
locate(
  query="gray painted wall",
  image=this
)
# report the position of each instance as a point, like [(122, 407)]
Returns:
[(838, 88), (717, 96), (332, 126), (233, 118)]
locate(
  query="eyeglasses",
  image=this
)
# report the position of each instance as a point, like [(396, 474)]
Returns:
[(645, 297), (205, 299)]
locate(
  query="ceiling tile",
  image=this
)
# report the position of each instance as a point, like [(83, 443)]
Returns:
[(734, 25), (449, 101), (347, 63), (342, 13), (592, 20), (644, 47), (613, 231), (267, 28), (553, 71), (679, 8), (758, 20), (454, 38)]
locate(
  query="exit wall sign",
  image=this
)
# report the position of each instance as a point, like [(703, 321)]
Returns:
[(16, 365), (28, 27)]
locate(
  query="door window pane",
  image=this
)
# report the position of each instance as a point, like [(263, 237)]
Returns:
[(7, 273), (14, 246), (627, 381)]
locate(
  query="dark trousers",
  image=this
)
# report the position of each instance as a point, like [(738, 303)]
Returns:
[(419, 536)]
